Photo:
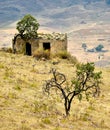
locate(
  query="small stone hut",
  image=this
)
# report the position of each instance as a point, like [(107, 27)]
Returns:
[(54, 42)]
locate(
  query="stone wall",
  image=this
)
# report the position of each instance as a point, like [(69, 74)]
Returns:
[(58, 42), (20, 45)]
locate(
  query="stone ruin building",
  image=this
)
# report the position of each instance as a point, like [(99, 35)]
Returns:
[(54, 42)]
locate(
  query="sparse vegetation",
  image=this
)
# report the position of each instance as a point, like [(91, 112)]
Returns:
[(63, 55), (40, 54), (96, 49), (24, 106), (66, 55), (9, 50)]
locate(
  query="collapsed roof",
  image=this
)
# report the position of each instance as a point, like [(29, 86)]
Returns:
[(53, 36)]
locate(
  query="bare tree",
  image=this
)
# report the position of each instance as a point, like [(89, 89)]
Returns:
[(86, 81)]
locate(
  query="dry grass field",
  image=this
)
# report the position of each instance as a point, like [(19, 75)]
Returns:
[(24, 106)]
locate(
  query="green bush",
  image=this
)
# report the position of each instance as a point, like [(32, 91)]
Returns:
[(99, 47)]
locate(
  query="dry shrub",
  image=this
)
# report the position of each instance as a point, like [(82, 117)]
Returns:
[(9, 50), (39, 54), (5, 49), (73, 60), (63, 54), (67, 55)]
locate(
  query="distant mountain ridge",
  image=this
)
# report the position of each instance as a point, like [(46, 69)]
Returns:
[(61, 14)]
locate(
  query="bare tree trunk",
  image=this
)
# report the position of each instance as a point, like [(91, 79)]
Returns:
[(67, 105), (68, 102)]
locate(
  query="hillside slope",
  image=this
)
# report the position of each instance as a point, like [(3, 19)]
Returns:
[(24, 106)]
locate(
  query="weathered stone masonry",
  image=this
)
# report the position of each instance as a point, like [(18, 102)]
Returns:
[(54, 42)]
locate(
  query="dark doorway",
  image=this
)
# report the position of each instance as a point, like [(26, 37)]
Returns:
[(46, 46), (28, 49)]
